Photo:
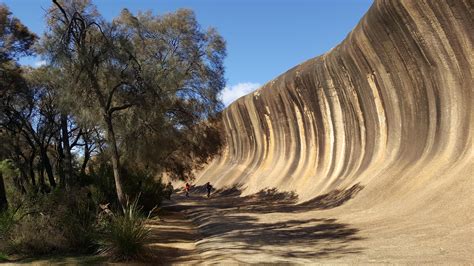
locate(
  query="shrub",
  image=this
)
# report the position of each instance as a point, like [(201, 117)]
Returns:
[(59, 222), (100, 180), (138, 182), (149, 192), (3, 257), (125, 234), (78, 219), (7, 221), (37, 235)]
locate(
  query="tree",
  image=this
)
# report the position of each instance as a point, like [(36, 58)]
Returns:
[(15, 40), (183, 68), (63, 129), (152, 77), (29, 116)]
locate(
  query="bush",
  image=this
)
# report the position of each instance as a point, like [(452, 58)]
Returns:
[(37, 235), (138, 183), (125, 234), (142, 186), (78, 219), (68, 221), (7, 221), (59, 222), (102, 183)]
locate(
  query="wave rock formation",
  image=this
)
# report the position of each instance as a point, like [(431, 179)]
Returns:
[(390, 108)]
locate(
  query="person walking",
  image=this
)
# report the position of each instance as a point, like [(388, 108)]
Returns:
[(209, 189), (187, 187)]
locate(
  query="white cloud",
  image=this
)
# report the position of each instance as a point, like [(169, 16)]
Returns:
[(40, 63), (232, 93)]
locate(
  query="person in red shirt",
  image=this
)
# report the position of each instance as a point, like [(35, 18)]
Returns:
[(187, 187)]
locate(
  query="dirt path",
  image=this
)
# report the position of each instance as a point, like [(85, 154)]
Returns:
[(268, 227), (230, 229), (173, 237)]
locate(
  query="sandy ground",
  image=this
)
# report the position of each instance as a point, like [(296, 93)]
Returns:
[(174, 237), (270, 228)]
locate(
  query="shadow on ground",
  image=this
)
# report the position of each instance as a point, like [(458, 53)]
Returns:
[(230, 225), (273, 201), (172, 238), (73, 259)]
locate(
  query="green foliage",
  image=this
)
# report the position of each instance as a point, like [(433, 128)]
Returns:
[(7, 221), (142, 186), (101, 181), (8, 169), (15, 38), (54, 223), (139, 184), (125, 234), (150, 81), (15, 41), (77, 217), (37, 235), (3, 257)]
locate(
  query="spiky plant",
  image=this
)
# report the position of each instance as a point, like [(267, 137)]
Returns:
[(125, 234)]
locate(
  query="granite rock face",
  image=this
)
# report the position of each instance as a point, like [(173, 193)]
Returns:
[(390, 108)]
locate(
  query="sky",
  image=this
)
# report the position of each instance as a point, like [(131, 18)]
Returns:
[(264, 38)]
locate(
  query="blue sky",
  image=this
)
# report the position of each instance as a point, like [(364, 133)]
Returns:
[(264, 37)]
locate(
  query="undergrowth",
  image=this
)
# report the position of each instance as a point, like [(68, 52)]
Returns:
[(125, 234)]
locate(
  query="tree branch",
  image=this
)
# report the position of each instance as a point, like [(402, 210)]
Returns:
[(118, 108), (62, 10), (74, 143), (111, 94)]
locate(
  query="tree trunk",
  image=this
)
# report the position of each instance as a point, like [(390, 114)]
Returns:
[(47, 167), (60, 165), (19, 181), (67, 150), (112, 142), (31, 168), (87, 156), (41, 183), (3, 195), (41, 174)]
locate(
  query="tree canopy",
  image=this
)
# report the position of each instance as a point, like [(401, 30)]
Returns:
[(140, 90)]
